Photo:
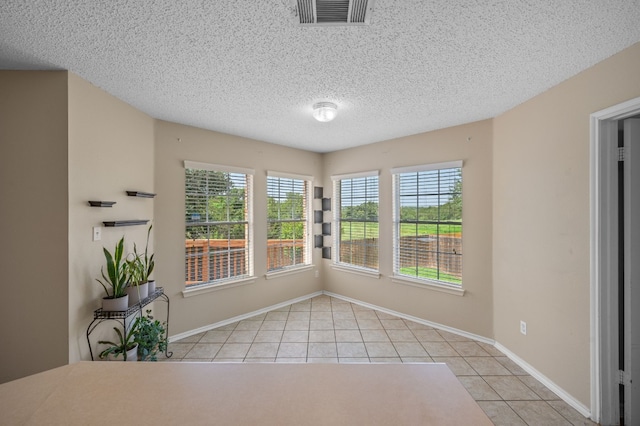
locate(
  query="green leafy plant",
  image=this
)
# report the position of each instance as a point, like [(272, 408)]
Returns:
[(145, 262), (134, 271), (148, 262), (116, 276), (151, 337), (126, 342)]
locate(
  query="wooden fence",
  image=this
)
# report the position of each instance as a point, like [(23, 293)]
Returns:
[(424, 252), (208, 260), (363, 252), (444, 253)]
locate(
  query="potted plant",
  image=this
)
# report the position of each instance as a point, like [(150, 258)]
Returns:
[(148, 264), (125, 346), (137, 287), (140, 268), (115, 279), (151, 337)]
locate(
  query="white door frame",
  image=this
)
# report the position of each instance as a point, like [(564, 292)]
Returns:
[(604, 258)]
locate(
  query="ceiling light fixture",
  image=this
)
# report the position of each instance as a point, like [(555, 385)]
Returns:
[(325, 111)]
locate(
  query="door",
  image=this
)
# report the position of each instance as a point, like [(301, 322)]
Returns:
[(606, 392), (631, 271)]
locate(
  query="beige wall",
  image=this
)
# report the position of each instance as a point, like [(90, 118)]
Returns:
[(471, 312), (541, 220), (33, 222), (176, 143), (111, 150)]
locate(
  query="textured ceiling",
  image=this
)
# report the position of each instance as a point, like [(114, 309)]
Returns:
[(247, 68)]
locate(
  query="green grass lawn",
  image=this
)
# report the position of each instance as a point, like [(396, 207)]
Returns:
[(428, 229), (357, 230), (430, 273)]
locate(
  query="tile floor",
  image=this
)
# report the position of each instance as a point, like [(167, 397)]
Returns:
[(330, 330)]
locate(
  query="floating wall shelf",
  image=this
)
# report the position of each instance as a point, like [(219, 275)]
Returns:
[(140, 194), (318, 217), (326, 252), (114, 223), (101, 203)]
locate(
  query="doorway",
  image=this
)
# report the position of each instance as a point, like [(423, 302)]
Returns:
[(615, 264)]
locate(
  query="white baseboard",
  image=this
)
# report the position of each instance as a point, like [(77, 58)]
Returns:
[(580, 407), (228, 321), (414, 319)]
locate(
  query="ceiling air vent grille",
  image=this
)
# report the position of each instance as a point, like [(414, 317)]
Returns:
[(334, 12)]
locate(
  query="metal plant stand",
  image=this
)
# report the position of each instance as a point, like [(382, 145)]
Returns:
[(100, 316)]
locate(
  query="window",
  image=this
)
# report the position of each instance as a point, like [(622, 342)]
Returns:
[(428, 222), (356, 219), (287, 221), (218, 231)]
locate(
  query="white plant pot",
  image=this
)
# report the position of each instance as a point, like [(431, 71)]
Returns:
[(137, 293), (132, 355), (144, 290), (118, 304), (152, 287)]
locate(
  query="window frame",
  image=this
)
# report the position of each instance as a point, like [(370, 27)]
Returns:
[(399, 277), (338, 263), (307, 251), (248, 221)]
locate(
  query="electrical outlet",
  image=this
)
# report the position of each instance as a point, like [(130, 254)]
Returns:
[(97, 233), (523, 327), (317, 274)]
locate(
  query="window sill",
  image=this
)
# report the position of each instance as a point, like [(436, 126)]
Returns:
[(289, 271), (429, 285), (215, 287), (357, 271)]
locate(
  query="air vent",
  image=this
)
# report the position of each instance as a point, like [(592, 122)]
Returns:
[(334, 12)]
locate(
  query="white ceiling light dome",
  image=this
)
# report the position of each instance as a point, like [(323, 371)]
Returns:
[(325, 111)]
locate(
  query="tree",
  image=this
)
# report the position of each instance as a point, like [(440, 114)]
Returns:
[(367, 211), (281, 211), (452, 210), (212, 197), (449, 208)]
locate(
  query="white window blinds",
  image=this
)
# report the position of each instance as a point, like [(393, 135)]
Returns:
[(428, 222), (218, 223), (287, 221), (356, 220)]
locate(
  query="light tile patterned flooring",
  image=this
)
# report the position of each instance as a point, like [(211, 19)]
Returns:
[(330, 330)]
